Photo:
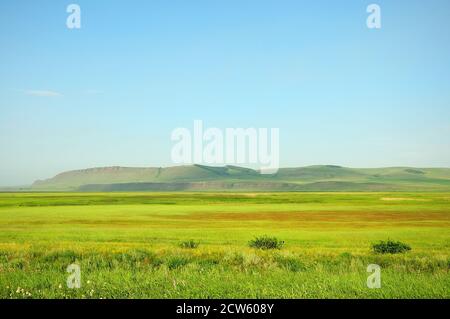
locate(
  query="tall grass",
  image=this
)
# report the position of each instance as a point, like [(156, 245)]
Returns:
[(140, 245), (228, 274)]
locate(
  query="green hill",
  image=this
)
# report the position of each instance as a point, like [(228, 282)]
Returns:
[(199, 177)]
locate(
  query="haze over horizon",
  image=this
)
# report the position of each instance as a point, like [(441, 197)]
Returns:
[(111, 93), (318, 166)]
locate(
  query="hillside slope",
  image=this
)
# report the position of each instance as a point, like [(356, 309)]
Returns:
[(199, 177)]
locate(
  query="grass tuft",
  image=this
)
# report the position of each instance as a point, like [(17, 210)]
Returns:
[(177, 262), (266, 242), (189, 244)]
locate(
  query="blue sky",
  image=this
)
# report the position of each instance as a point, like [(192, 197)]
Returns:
[(112, 92)]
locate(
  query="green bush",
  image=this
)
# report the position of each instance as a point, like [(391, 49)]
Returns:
[(266, 242), (390, 247), (189, 244)]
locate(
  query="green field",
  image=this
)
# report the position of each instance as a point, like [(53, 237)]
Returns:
[(128, 244)]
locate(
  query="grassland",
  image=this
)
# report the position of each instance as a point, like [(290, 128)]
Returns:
[(128, 244)]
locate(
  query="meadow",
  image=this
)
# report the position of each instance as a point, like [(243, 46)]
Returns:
[(129, 245)]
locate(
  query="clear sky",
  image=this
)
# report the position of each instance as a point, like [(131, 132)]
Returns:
[(112, 92)]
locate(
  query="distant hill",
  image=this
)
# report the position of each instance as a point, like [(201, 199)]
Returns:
[(205, 178)]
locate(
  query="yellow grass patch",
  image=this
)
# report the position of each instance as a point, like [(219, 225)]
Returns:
[(405, 199)]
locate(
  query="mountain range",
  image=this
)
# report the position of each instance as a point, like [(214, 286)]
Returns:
[(234, 178)]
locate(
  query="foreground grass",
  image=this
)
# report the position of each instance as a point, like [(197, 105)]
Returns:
[(128, 245)]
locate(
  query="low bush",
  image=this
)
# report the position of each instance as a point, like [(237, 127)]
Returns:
[(390, 247), (266, 242)]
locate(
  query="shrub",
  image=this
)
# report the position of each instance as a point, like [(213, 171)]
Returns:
[(390, 247), (189, 244), (266, 242)]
